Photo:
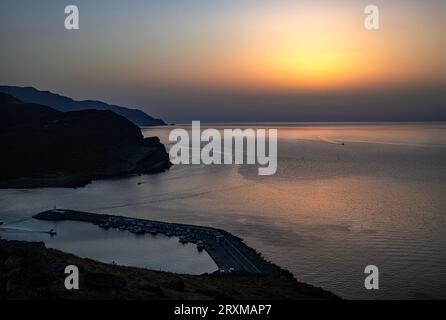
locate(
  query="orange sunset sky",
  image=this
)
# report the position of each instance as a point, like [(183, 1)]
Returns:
[(144, 52)]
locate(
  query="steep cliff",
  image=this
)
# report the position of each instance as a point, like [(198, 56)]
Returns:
[(43, 147)]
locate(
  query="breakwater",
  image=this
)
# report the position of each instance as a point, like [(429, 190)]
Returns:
[(229, 252)]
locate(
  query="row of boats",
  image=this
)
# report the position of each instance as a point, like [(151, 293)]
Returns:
[(142, 227)]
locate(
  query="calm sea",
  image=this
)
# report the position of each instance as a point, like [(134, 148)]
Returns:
[(329, 211)]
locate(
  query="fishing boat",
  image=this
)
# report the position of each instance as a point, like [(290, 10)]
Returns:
[(104, 226), (139, 231), (200, 245), (183, 240)]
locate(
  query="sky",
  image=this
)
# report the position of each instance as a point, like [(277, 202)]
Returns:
[(235, 60)]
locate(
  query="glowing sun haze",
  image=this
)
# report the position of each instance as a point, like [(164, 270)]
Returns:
[(146, 53), (309, 46)]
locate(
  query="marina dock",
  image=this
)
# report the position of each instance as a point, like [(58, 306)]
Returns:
[(229, 252)]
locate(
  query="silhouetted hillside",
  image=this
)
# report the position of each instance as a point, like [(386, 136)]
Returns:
[(41, 146), (28, 270), (61, 103)]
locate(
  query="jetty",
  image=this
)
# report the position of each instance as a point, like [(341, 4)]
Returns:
[(229, 252)]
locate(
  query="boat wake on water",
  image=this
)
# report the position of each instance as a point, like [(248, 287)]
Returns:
[(331, 141), (24, 230)]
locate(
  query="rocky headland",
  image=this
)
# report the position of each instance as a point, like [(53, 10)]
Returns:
[(43, 147)]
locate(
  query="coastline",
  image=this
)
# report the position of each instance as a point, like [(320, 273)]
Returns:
[(44, 147), (29, 270), (151, 158)]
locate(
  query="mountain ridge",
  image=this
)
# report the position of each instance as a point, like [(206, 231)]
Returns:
[(66, 104)]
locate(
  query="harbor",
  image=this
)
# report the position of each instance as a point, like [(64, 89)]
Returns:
[(229, 252)]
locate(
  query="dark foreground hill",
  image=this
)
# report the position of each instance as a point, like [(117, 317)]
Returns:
[(65, 104), (28, 270), (43, 147)]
